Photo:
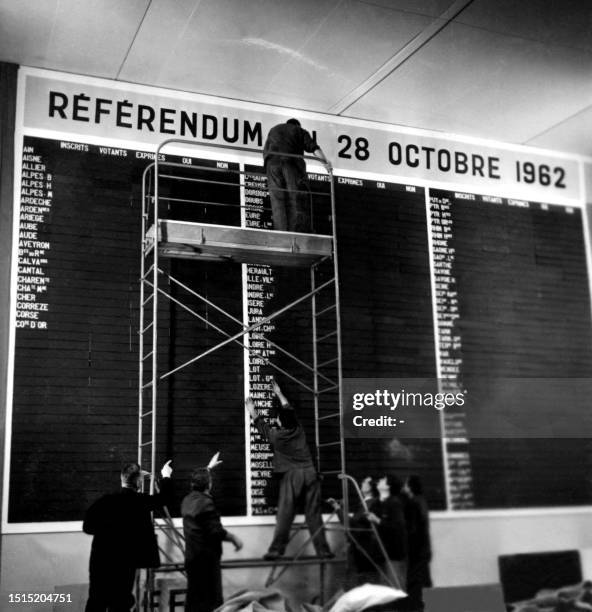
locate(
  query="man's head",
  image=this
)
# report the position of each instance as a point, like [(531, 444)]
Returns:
[(368, 486), (293, 122), (131, 476), (390, 484), (286, 418), (201, 480), (414, 485)]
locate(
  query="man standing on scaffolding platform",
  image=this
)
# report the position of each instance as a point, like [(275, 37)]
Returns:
[(289, 192), (299, 479)]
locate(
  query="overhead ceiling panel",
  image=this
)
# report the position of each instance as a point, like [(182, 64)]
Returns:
[(227, 47), (346, 49), (470, 81), (432, 8), (566, 23), (25, 30), (83, 37), (571, 135)]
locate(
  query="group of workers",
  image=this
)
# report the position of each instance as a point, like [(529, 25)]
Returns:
[(396, 552), (390, 537)]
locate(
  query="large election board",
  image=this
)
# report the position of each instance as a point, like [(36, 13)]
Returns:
[(432, 282)]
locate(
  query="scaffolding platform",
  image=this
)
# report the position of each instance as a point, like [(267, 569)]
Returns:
[(190, 240)]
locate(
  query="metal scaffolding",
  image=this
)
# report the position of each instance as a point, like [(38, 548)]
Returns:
[(165, 237)]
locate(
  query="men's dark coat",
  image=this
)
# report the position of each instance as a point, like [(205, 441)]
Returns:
[(121, 524)]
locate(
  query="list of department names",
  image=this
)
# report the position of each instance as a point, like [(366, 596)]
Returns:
[(35, 205), (458, 462), (260, 284)]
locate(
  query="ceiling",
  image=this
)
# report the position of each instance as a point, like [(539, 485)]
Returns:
[(517, 71)]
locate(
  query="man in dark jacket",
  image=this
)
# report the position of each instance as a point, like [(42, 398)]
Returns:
[(299, 480), (204, 535), (286, 176), (124, 539), (389, 517), (420, 548)]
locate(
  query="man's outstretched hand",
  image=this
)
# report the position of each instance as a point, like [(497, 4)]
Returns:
[(250, 406), (275, 387), (166, 469), (215, 461)]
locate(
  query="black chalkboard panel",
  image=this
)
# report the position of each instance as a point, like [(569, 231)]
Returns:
[(76, 350), (523, 313), (386, 305)]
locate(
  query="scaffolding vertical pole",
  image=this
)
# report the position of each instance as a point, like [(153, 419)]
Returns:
[(315, 365), (344, 488), (155, 272), (143, 255)]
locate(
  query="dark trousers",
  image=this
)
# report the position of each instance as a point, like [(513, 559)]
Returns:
[(204, 584), (110, 588), (290, 197), (297, 484)]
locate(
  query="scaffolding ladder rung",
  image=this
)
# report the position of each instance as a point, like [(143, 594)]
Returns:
[(323, 444), (147, 327), (148, 384), (331, 472), (329, 416), (142, 444), (148, 272), (150, 297), (321, 338), (145, 414), (327, 389), (325, 363), (147, 355), (324, 310)]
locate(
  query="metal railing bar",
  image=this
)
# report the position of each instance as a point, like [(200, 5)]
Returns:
[(329, 416), (202, 202), (147, 326), (321, 338), (324, 310), (228, 170), (197, 180), (324, 363)]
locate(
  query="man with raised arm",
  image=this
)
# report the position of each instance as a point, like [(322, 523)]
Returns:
[(286, 176), (204, 535), (124, 539), (299, 480)]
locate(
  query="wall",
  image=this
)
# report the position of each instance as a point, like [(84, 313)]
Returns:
[(466, 547), (465, 552)]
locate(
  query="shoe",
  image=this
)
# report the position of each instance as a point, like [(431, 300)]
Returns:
[(273, 555)]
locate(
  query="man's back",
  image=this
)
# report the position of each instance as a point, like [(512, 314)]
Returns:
[(288, 138), (201, 525), (122, 528)]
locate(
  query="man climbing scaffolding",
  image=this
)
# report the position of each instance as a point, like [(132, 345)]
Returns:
[(292, 460)]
